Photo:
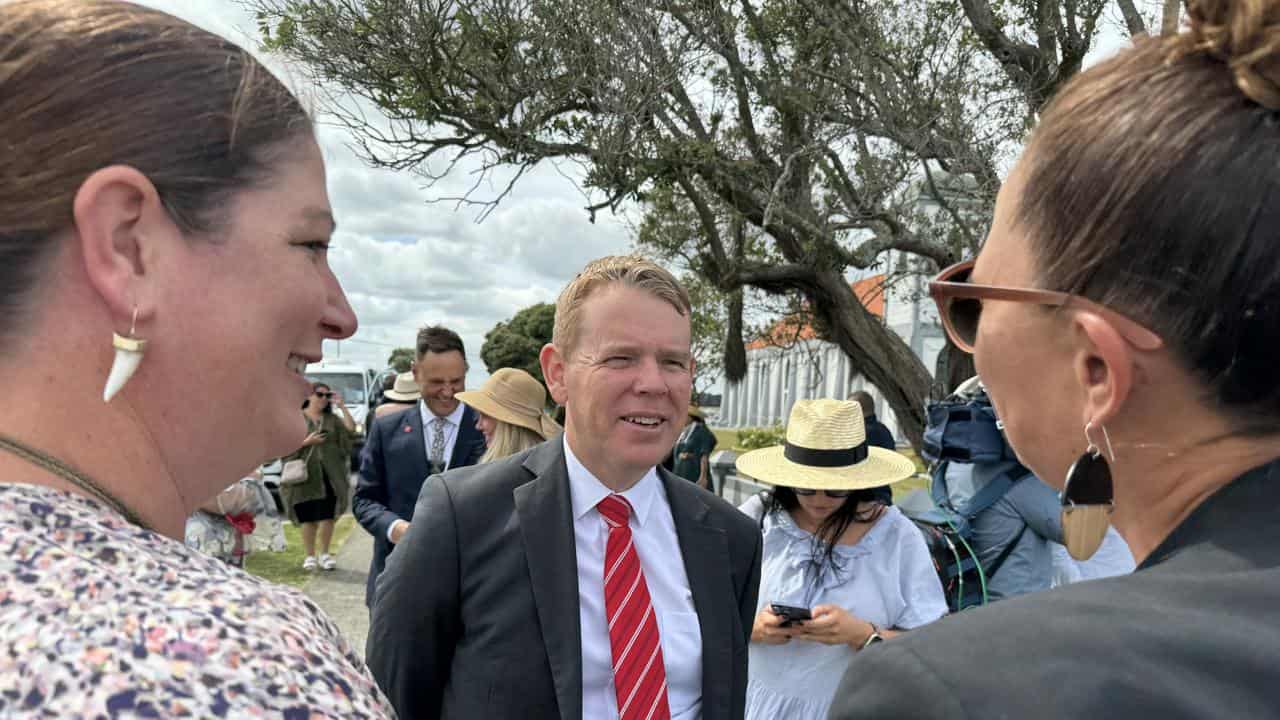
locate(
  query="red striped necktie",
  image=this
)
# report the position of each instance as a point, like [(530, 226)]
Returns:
[(639, 677)]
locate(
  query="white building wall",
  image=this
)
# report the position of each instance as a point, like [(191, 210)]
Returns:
[(777, 377)]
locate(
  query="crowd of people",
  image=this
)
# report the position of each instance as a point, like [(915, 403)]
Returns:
[(1122, 314)]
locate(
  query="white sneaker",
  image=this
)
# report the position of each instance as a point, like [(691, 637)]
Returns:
[(309, 563), (327, 562)]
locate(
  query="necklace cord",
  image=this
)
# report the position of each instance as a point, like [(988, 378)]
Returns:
[(66, 472)]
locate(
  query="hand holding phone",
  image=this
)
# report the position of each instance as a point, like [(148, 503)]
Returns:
[(790, 614)]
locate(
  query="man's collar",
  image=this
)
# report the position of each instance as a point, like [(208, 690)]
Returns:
[(428, 417), (586, 491)]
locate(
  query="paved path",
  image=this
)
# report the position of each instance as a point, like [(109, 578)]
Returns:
[(340, 593)]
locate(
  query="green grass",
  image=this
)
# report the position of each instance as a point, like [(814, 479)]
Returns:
[(725, 439), (286, 567), (728, 440)]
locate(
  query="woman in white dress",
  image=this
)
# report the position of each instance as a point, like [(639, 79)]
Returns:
[(858, 568)]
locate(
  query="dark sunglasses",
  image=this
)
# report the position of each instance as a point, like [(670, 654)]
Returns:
[(324, 394), (830, 493), (960, 307)]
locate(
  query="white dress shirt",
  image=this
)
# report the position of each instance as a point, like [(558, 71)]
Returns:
[(453, 421), (654, 533)]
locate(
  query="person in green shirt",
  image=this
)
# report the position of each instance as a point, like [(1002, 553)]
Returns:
[(693, 449)]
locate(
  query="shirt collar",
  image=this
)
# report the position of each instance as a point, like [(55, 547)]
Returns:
[(586, 491), (454, 418)]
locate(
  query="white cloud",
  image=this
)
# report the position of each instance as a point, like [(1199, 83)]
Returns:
[(406, 261)]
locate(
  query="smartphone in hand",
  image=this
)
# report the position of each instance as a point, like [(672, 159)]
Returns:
[(790, 614)]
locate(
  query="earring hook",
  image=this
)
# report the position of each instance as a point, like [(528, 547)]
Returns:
[(1093, 446), (133, 324)]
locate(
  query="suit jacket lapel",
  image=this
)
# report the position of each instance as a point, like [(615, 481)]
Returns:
[(408, 446), (706, 561), (468, 435), (545, 512)]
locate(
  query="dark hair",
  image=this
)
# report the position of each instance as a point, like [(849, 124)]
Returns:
[(92, 83), (782, 498), (439, 339), (314, 388), (1152, 186)]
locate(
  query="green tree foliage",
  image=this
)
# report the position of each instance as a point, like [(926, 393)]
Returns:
[(517, 342), (401, 359)]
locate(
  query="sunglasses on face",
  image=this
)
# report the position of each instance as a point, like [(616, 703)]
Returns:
[(325, 395), (960, 307), (830, 493)]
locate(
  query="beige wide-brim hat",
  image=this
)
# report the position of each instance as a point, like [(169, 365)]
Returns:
[(405, 390), (826, 449), (513, 396)]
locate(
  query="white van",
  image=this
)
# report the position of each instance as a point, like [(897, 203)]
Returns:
[(352, 382)]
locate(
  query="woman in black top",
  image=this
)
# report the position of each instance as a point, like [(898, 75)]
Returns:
[(1125, 316)]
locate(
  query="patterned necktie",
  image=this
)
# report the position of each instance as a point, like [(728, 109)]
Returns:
[(437, 445), (639, 677)]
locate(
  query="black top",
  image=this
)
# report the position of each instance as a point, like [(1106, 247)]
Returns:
[(1194, 633), (878, 435)]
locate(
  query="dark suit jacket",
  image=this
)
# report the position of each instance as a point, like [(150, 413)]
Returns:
[(477, 613), (393, 466), (1194, 633)]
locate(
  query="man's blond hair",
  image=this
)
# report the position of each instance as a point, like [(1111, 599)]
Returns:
[(630, 270)]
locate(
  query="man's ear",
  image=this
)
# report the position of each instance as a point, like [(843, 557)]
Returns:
[(119, 220), (553, 371), (1104, 367)]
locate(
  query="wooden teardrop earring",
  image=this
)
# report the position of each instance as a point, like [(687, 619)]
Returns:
[(1088, 498)]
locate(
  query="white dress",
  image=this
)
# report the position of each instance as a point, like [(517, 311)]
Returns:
[(886, 578)]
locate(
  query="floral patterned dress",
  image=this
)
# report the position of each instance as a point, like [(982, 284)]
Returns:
[(102, 619)]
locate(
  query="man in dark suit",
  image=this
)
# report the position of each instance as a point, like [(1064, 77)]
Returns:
[(576, 580), (403, 449)]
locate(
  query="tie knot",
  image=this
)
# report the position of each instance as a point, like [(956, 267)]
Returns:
[(615, 509)]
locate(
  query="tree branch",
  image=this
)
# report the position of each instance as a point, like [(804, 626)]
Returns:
[(1020, 61), (1132, 18)]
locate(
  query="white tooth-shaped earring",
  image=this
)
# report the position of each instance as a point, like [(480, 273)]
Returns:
[(129, 351)]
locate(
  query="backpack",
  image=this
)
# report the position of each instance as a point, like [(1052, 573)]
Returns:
[(964, 430)]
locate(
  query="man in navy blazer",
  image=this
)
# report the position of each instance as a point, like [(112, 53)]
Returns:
[(403, 449)]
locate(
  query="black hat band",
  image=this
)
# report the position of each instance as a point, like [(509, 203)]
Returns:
[(814, 457)]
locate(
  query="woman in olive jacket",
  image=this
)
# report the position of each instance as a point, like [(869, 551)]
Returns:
[(325, 495)]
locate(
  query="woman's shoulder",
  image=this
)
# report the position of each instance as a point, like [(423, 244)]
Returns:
[(148, 616), (896, 522)]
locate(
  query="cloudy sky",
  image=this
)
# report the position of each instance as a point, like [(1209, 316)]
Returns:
[(406, 261)]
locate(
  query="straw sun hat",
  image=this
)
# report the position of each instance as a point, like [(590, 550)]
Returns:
[(826, 449), (513, 396), (405, 390)]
